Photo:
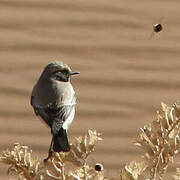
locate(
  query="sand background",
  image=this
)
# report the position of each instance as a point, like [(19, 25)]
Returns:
[(124, 74)]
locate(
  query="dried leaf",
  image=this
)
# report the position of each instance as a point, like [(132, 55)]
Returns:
[(160, 139), (177, 175), (21, 163)]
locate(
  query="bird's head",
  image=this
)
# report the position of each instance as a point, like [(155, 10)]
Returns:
[(59, 71)]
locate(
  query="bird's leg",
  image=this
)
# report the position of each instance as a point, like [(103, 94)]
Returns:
[(50, 150)]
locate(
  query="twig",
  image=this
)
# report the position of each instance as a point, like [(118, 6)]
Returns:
[(172, 128), (157, 164), (85, 173), (63, 172)]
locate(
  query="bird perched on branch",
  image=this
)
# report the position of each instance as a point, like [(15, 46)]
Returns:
[(54, 100)]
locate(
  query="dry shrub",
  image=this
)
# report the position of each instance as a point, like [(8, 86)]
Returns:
[(159, 140), (20, 161)]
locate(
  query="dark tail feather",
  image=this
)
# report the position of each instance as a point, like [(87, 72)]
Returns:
[(61, 143)]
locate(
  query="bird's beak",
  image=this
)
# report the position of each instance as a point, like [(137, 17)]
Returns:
[(74, 73)]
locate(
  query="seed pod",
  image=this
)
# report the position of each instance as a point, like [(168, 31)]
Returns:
[(157, 28), (99, 167)]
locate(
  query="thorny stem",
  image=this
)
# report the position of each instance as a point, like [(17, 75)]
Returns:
[(85, 173), (63, 172), (157, 164), (84, 167)]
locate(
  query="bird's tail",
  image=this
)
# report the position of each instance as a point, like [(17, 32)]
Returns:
[(61, 143)]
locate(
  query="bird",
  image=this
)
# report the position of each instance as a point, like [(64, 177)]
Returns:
[(53, 100)]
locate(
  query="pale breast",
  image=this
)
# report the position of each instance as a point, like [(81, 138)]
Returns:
[(54, 92), (67, 96)]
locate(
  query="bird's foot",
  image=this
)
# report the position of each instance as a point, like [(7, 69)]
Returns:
[(49, 156)]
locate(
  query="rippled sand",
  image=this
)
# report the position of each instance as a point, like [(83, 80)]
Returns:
[(125, 74)]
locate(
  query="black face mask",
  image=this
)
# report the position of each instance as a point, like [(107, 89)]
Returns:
[(62, 76)]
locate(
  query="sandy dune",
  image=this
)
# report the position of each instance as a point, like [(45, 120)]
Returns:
[(124, 74)]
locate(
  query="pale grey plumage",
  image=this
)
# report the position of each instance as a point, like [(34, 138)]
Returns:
[(53, 97)]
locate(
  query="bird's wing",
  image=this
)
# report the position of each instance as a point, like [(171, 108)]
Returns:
[(60, 111), (41, 111), (53, 114), (60, 114)]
